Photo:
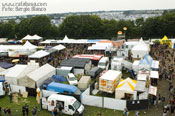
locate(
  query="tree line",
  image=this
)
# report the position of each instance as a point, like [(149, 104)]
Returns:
[(90, 27)]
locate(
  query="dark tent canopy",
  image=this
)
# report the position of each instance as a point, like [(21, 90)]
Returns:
[(75, 62), (6, 65)]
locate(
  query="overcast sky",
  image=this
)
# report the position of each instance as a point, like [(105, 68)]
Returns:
[(61, 6)]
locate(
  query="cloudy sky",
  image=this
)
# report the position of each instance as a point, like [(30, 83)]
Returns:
[(61, 6)]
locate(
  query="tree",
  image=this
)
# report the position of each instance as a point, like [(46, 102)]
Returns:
[(40, 25), (83, 26)]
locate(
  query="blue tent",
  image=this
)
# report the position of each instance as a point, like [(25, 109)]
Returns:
[(59, 78), (147, 60), (2, 79)]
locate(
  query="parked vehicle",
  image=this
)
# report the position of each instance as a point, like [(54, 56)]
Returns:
[(94, 72), (69, 104), (2, 90), (63, 88), (84, 82), (109, 81), (72, 79), (104, 63), (2, 87), (116, 63)]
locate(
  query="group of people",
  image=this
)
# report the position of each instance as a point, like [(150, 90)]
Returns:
[(166, 57), (25, 111), (7, 111), (57, 109)]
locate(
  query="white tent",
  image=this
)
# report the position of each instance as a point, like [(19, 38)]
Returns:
[(141, 77), (27, 37), (101, 46), (18, 72), (135, 65), (59, 47), (29, 46), (36, 37), (154, 75), (140, 49), (125, 86), (155, 65), (37, 77), (39, 54)]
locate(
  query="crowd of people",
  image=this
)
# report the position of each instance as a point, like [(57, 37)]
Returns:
[(166, 57)]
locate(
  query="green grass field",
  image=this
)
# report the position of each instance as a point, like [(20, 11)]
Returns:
[(31, 101)]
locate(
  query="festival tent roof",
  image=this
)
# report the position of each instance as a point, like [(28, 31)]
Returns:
[(36, 37), (59, 47), (152, 90), (140, 46), (140, 86), (101, 46), (140, 49), (28, 45), (6, 65), (155, 65), (39, 54), (38, 76), (125, 86), (141, 77), (154, 75), (147, 60), (19, 71), (27, 37), (89, 56)]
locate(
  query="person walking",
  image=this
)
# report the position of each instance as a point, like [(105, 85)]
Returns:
[(9, 111), (0, 111), (55, 112), (137, 113), (23, 110), (34, 111), (165, 111), (172, 109), (99, 113), (27, 109), (163, 101), (10, 96), (125, 111)]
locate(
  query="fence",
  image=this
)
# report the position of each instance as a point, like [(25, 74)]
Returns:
[(103, 102)]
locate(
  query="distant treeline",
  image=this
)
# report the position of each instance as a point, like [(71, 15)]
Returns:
[(90, 27)]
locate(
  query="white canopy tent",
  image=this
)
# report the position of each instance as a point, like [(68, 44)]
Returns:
[(59, 47), (27, 37), (101, 46), (155, 65), (37, 77), (29, 46), (140, 49), (154, 75), (142, 77), (34, 37), (39, 54), (18, 72)]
